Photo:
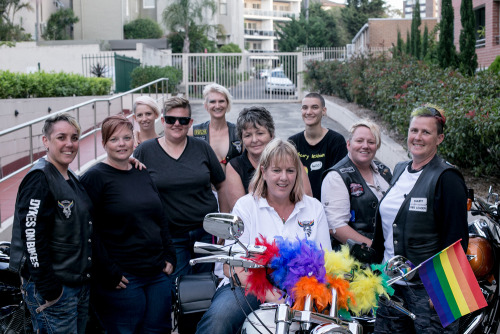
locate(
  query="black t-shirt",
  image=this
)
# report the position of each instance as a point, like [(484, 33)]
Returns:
[(244, 168), (131, 231), (318, 158), (185, 183)]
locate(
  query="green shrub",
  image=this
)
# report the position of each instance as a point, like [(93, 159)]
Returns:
[(42, 84), (142, 28), (142, 75), (393, 87), (495, 65)]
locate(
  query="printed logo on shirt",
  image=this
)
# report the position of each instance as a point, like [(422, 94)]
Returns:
[(237, 145), (349, 169), (356, 189), (66, 205), (306, 226), (31, 220), (303, 156), (418, 204), (316, 165)]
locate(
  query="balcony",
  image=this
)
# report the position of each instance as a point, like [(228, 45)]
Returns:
[(261, 33), (269, 13)]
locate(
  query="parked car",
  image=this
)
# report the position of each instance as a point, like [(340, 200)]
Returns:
[(277, 81), (263, 74)]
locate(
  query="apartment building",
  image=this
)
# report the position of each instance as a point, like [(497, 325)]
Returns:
[(261, 20), (428, 8), (487, 27)]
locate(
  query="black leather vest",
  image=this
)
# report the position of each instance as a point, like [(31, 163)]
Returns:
[(71, 231), (414, 229), (202, 131), (363, 200)]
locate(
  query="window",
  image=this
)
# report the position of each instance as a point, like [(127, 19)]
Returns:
[(148, 4), (223, 7), (256, 5), (480, 27)]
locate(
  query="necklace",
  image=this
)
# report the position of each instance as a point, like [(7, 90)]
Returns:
[(283, 219)]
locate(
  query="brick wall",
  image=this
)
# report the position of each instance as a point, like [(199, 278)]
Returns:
[(485, 55), (384, 32)]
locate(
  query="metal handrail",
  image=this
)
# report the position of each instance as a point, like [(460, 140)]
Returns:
[(95, 128)]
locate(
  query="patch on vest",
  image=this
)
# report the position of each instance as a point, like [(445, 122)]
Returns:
[(418, 204), (306, 226), (349, 169), (237, 145), (316, 165), (199, 132), (66, 205), (356, 189)]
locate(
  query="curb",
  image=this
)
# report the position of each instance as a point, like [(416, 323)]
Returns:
[(390, 152)]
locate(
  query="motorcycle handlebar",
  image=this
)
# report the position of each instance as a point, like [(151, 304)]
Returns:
[(237, 260)]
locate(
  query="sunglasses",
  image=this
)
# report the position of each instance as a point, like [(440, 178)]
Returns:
[(172, 119)]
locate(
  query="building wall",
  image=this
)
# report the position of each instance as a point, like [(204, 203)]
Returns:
[(58, 57), (384, 32), (99, 20), (487, 54)]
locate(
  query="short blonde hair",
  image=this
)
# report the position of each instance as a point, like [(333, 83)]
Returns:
[(147, 101), (374, 129), (276, 152), (218, 89)]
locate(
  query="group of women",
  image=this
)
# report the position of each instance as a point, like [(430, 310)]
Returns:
[(130, 231)]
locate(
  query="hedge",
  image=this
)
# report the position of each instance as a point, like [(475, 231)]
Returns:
[(145, 74), (42, 84), (393, 87)]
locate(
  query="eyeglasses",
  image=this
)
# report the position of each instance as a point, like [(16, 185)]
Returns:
[(172, 119), (437, 115)]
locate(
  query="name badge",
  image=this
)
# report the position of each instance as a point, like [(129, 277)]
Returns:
[(418, 204)]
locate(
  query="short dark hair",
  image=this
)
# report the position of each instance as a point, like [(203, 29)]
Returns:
[(111, 123), (254, 116), (176, 102), (431, 110), (317, 96), (48, 126)]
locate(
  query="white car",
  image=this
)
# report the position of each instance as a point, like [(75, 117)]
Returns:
[(277, 81), (264, 74)]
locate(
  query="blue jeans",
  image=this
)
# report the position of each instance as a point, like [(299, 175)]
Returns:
[(225, 315), (143, 307), (67, 315), (416, 300), (184, 244)]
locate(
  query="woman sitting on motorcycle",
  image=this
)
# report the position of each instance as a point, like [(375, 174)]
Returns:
[(277, 206)]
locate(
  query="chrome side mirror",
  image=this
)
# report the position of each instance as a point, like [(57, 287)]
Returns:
[(224, 225)]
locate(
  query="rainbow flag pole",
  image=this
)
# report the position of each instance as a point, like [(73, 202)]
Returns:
[(451, 284)]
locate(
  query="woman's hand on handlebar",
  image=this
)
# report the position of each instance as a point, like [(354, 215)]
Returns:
[(123, 283)]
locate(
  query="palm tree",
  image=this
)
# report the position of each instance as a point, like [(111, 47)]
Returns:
[(181, 14)]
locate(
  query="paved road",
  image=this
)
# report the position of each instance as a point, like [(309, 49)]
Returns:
[(287, 117)]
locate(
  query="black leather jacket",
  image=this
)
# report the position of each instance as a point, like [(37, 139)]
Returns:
[(202, 131), (363, 202), (415, 230), (67, 231)]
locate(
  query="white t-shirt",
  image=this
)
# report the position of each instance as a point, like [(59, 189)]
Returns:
[(307, 220), (390, 205)]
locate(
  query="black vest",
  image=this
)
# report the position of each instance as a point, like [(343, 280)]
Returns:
[(202, 131), (363, 200), (71, 231), (414, 229)]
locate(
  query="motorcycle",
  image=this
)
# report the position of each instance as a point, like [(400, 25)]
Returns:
[(14, 315), (283, 318), (483, 254)]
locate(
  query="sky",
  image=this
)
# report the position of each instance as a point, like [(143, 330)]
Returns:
[(395, 4)]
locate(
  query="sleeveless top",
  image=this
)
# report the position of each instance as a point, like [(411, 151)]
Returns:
[(202, 131)]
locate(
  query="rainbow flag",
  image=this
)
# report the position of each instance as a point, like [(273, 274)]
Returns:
[(451, 284)]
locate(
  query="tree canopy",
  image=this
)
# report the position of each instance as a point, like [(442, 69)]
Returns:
[(183, 15), (446, 48), (9, 31), (357, 12), (468, 57), (319, 30), (60, 24)]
